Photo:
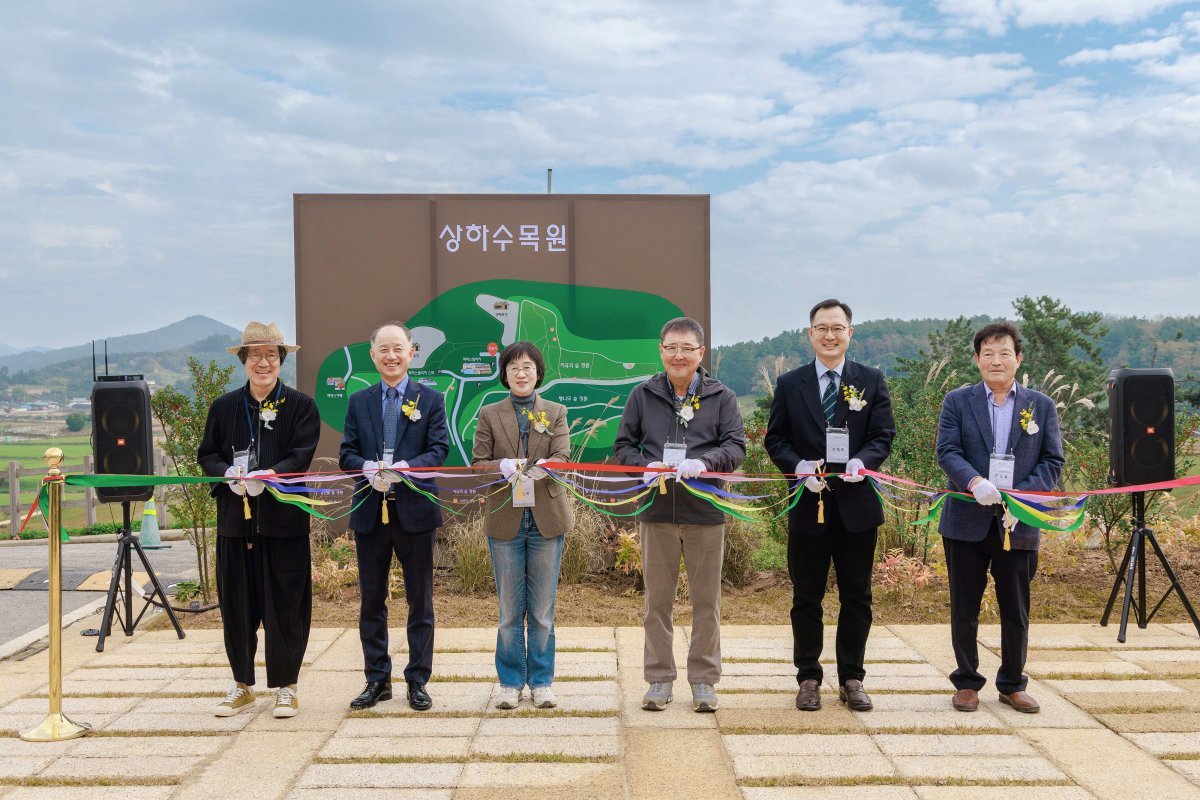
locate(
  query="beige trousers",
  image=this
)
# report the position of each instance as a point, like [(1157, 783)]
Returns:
[(703, 549)]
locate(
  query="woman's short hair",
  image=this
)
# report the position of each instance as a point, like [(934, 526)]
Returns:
[(515, 351)]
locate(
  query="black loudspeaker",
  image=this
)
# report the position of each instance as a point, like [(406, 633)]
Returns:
[(1141, 426), (122, 436)]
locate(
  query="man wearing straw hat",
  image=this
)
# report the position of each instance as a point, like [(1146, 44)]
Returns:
[(264, 573), (392, 426)]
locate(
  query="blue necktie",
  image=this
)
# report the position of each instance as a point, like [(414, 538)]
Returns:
[(391, 417), (829, 398)]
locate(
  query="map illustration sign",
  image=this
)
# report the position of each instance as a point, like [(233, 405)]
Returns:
[(598, 344)]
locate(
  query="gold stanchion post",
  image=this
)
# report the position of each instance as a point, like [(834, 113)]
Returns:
[(55, 727)]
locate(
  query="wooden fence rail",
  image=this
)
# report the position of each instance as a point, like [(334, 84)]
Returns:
[(89, 501)]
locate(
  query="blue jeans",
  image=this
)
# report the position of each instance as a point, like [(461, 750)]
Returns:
[(526, 572)]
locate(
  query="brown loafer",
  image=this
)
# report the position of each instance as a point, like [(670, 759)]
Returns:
[(965, 700), (1021, 701), (851, 693), (809, 696)]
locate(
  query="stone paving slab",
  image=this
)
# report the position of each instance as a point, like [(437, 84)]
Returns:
[(829, 793), (896, 745), (381, 776), (978, 768), (157, 792), (347, 747), (594, 747), (824, 766), (521, 775), (1167, 744), (1149, 686), (1002, 793), (913, 737), (1075, 669), (900, 711), (1188, 769), (1154, 722), (801, 745), (344, 793), (1108, 766)]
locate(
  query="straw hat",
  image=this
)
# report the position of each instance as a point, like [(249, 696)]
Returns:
[(258, 333)]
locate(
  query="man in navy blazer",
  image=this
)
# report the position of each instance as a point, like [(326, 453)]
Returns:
[(830, 401), (391, 426), (994, 435)]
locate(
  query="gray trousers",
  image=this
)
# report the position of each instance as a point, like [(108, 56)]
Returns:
[(703, 549)]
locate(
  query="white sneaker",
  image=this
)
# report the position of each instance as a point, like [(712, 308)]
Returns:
[(239, 697), (286, 703), (543, 697), (508, 698)]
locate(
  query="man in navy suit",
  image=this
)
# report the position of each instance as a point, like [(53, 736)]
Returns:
[(994, 435), (832, 415), (392, 426)]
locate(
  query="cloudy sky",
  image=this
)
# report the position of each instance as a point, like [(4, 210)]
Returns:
[(915, 158)]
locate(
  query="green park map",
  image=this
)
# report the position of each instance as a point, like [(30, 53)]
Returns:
[(598, 344)]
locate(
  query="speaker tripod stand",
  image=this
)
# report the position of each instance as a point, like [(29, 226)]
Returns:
[(122, 572), (1135, 562)]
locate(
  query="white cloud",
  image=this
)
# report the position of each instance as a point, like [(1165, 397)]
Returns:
[(995, 16), (1139, 51), (84, 236)]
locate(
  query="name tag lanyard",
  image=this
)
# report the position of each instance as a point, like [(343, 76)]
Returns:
[(523, 486), (1001, 462), (251, 451)]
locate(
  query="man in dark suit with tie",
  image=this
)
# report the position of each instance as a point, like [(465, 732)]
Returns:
[(831, 415), (994, 435), (392, 426)]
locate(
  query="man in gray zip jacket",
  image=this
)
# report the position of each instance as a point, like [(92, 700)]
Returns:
[(685, 420)]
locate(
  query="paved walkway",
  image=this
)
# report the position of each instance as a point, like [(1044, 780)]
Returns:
[(1118, 721)]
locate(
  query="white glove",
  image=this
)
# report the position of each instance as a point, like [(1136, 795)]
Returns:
[(653, 476), (255, 488), (853, 467), (534, 471), (986, 493), (236, 485), (398, 466), (372, 472), (509, 466), (811, 483), (690, 468)]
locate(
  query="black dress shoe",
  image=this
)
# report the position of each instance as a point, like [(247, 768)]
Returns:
[(809, 696), (418, 698), (852, 694), (372, 694)]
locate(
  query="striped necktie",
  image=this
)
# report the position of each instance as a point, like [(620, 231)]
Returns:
[(829, 397)]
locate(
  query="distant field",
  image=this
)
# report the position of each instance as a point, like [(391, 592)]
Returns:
[(29, 454)]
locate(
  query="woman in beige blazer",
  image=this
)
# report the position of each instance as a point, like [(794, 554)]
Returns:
[(526, 527)]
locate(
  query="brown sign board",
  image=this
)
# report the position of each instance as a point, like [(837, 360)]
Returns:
[(365, 259)]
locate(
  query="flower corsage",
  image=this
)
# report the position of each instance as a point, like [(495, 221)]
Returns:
[(687, 411), (410, 410), (1027, 422), (269, 411), (540, 421), (854, 397)]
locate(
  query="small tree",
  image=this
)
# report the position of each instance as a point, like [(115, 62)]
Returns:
[(77, 421), (182, 419)]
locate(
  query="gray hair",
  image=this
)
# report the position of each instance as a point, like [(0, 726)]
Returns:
[(682, 325), (400, 325)]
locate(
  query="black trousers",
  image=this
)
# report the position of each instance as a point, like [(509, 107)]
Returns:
[(809, 557), (967, 564), (268, 584), (414, 551)]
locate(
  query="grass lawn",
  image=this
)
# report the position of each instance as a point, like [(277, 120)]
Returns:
[(29, 454)]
